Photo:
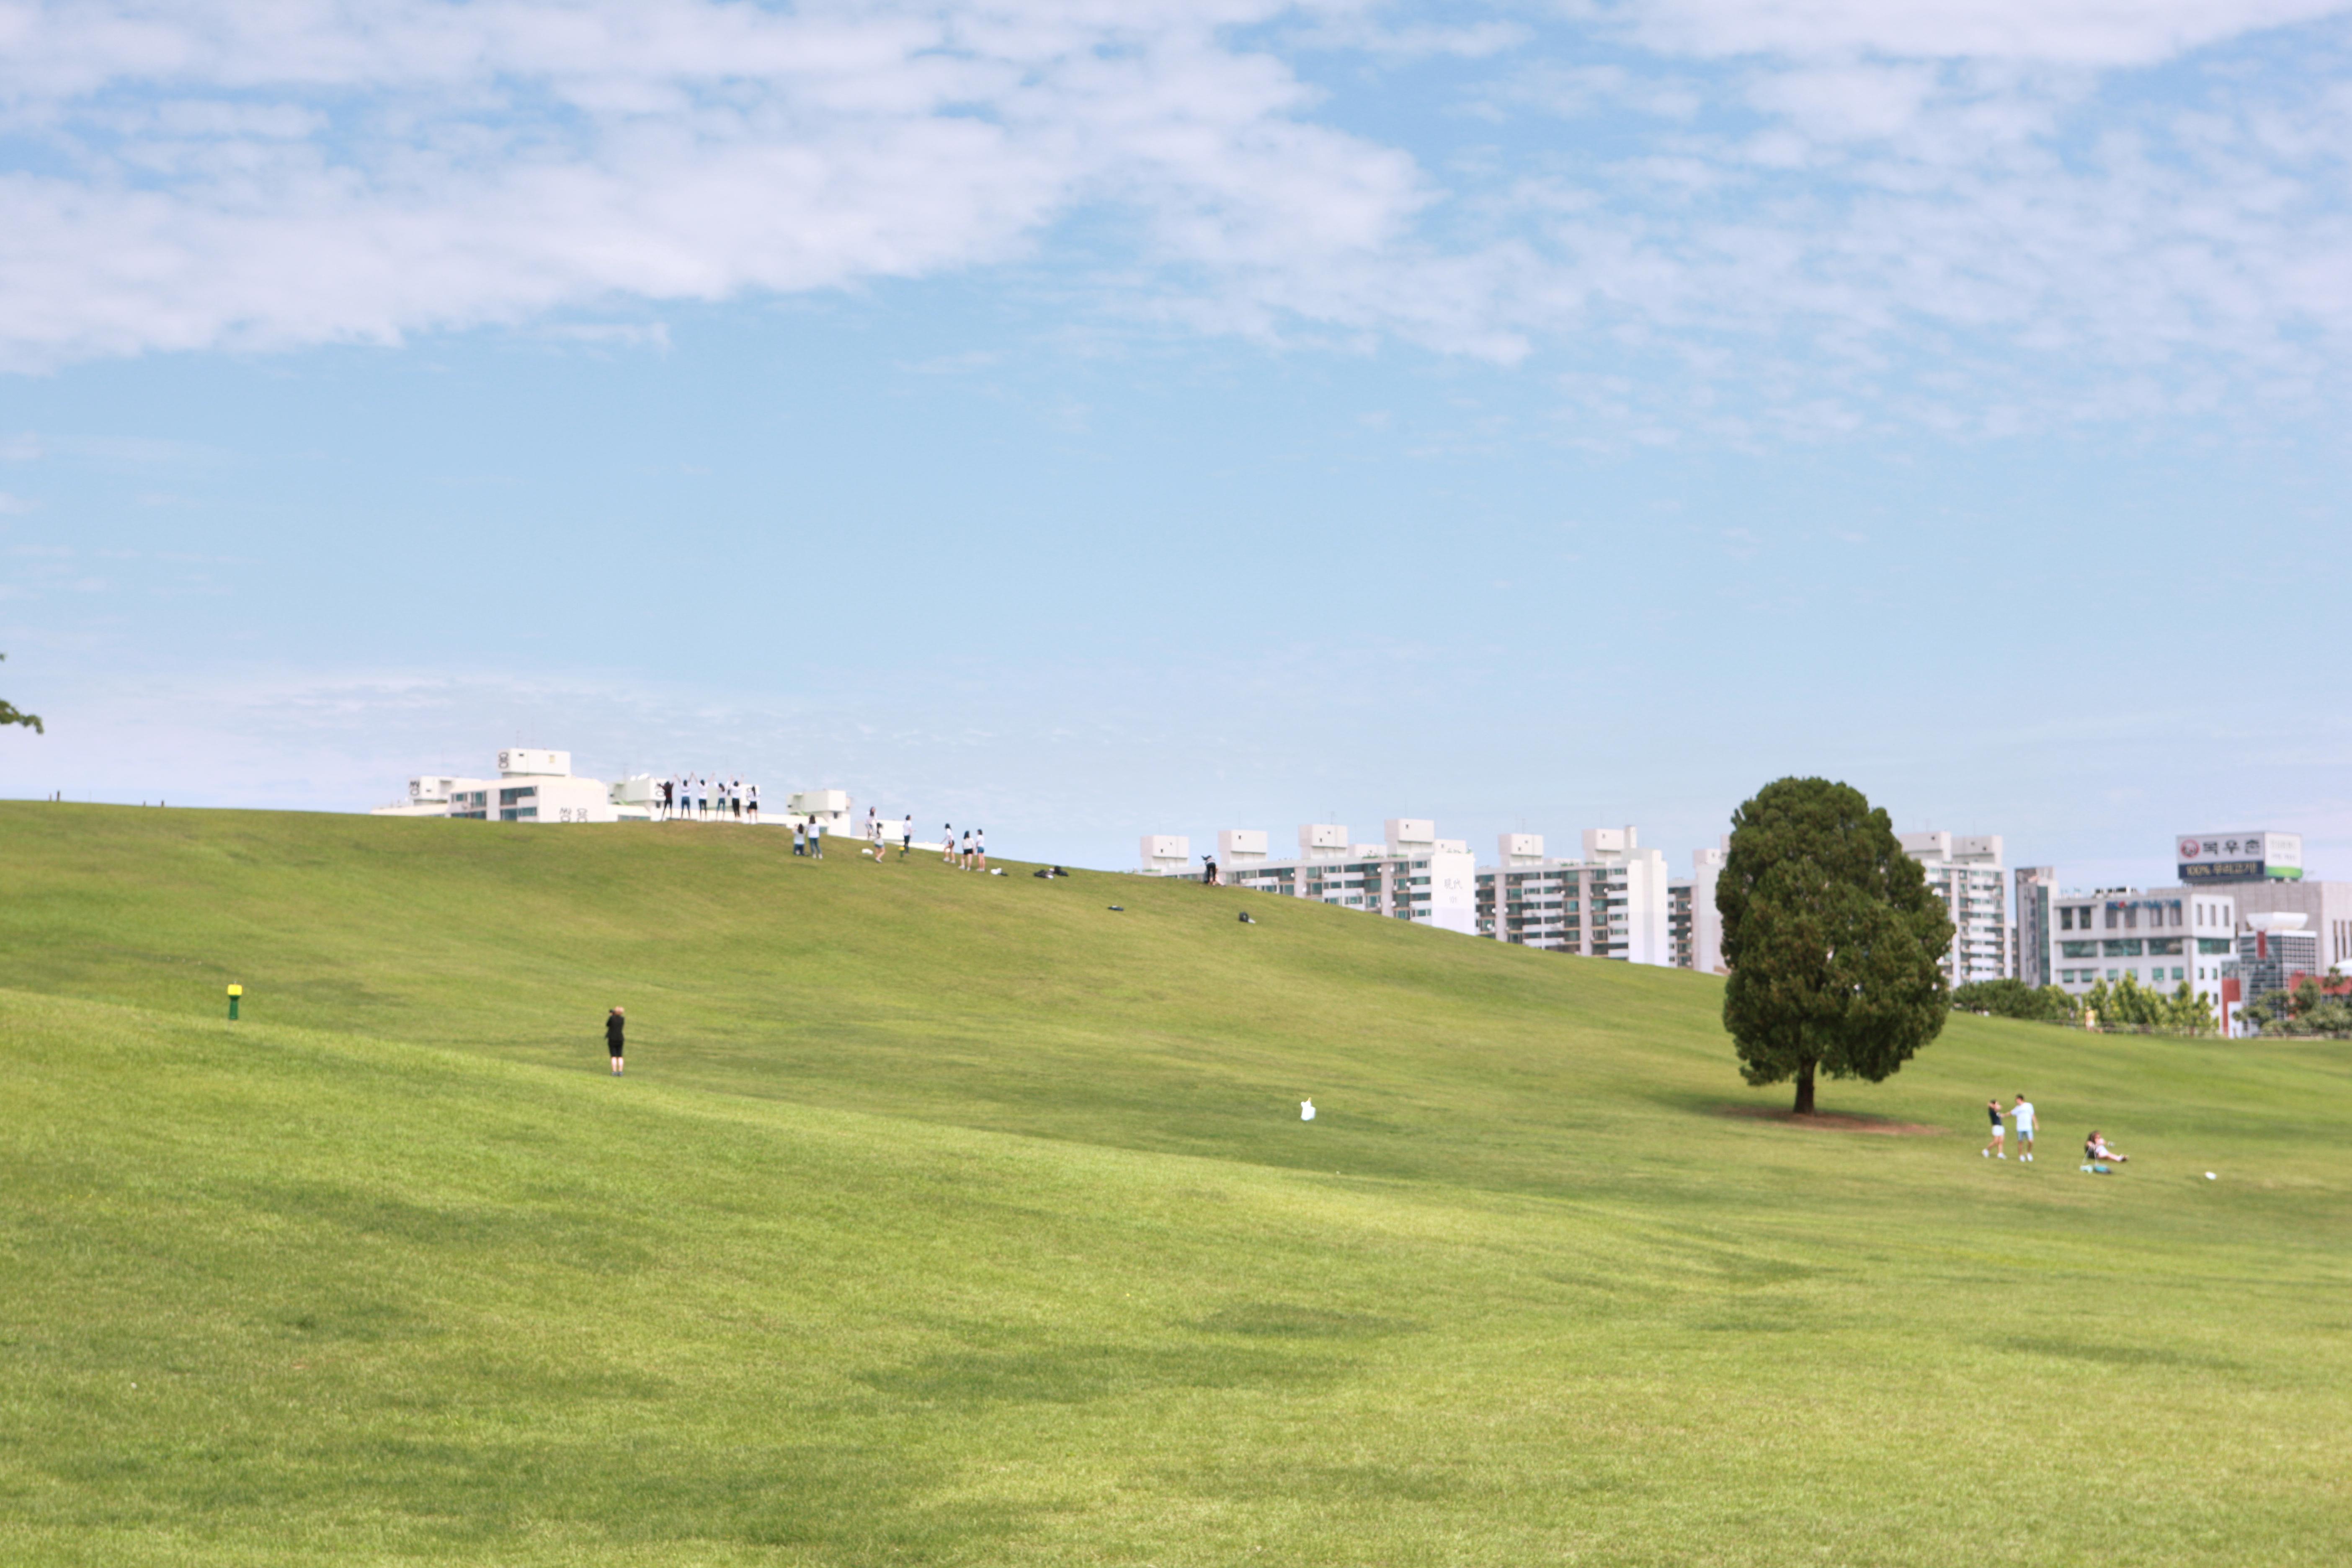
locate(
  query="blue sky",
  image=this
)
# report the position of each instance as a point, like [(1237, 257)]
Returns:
[(1091, 419)]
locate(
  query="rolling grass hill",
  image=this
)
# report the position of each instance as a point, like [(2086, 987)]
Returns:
[(949, 1219)]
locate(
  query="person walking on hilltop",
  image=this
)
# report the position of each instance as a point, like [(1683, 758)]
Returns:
[(614, 1021), (906, 836)]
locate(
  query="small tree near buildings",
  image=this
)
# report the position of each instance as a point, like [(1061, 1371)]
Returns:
[(1832, 937)]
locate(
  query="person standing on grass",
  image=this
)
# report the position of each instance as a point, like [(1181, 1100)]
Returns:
[(964, 859), (752, 802), (906, 836), (947, 843), (816, 840), (980, 848), (874, 832), (614, 1023), (2023, 1113), (1993, 1147)]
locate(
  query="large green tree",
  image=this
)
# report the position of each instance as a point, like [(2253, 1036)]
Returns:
[(1833, 939), (10, 715)]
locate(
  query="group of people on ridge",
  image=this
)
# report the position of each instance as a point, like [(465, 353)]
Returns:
[(691, 797)]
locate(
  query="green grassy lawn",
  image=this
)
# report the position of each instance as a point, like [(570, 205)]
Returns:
[(945, 1220)]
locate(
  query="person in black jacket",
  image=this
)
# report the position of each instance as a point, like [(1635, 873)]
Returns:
[(613, 1022)]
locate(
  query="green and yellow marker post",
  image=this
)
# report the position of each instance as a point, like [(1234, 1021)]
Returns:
[(235, 993)]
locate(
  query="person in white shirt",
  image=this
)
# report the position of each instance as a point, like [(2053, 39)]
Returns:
[(752, 801), (2023, 1113), (947, 843), (967, 849), (906, 836), (980, 848)]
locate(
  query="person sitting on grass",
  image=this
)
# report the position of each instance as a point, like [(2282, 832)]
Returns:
[(2096, 1149)]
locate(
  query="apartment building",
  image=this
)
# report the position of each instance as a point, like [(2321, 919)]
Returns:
[(1965, 872), (1616, 901), (1411, 875), (2029, 935)]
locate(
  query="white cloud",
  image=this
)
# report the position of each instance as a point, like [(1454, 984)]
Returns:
[(2069, 32), (1961, 214), (303, 173)]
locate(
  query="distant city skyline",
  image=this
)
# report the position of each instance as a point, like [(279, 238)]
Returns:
[(1087, 422)]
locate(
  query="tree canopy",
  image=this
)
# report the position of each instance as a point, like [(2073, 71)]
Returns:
[(2129, 1004), (11, 714), (1833, 939)]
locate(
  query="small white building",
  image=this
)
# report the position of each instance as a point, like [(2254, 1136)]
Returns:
[(828, 808), (429, 796), (532, 785), (1167, 854)]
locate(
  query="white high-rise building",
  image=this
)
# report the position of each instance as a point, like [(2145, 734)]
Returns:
[(1965, 872), (2029, 935), (1411, 875), (1614, 902), (1695, 928)]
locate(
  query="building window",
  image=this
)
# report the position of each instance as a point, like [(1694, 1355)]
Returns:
[(2121, 947)]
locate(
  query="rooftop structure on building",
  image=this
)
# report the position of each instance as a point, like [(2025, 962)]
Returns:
[(1965, 872)]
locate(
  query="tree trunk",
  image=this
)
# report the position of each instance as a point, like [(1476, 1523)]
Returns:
[(1805, 1089)]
